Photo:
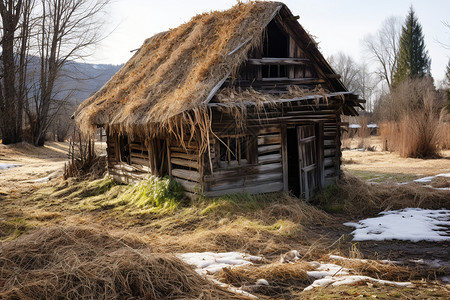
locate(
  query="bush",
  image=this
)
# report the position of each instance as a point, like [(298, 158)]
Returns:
[(412, 115)]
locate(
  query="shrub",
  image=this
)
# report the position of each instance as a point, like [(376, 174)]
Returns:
[(412, 115)]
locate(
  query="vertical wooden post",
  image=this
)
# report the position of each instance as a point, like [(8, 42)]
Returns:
[(284, 157), (169, 164), (320, 156), (300, 159)]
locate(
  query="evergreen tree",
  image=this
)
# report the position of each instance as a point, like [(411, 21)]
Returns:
[(413, 58)]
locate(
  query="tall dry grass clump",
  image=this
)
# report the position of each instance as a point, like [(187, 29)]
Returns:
[(411, 119), (363, 131), (444, 135), (83, 263)]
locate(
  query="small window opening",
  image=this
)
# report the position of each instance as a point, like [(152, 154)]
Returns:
[(233, 149), (276, 45)]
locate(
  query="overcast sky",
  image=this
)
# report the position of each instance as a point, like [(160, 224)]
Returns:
[(338, 25)]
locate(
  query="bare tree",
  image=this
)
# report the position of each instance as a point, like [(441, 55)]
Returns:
[(345, 66), (356, 77), (383, 49), (14, 43), (66, 31), (366, 85)]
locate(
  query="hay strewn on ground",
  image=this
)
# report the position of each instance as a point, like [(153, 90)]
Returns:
[(82, 263), (359, 198)]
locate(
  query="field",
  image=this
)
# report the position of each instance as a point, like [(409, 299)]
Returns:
[(95, 239)]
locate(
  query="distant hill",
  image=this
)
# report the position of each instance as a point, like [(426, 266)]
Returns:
[(80, 80)]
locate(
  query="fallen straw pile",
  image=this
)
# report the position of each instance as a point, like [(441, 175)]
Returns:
[(81, 263)]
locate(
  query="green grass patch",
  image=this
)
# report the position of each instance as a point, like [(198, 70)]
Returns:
[(12, 228), (332, 199)]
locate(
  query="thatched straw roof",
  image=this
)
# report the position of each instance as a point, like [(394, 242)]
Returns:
[(175, 71)]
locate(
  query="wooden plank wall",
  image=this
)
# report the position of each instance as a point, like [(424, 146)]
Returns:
[(186, 166), (139, 167), (266, 174), (262, 177)]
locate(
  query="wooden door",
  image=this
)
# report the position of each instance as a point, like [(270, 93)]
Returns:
[(307, 156)]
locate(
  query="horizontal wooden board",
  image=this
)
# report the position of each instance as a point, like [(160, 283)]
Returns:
[(329, 152), (268, 149), (186, 174), (329, 172), (140, 147), (244, 170), (184, 156), (184, 163), (269, 139), (139, 155), (329, 162), (256, 189), (189, 150), (189, 186), (248, 180), (268, 159)]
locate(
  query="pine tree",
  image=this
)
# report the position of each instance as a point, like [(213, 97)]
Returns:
[(413, 58)]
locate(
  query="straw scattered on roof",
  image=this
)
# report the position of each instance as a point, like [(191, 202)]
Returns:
[(174, 71)]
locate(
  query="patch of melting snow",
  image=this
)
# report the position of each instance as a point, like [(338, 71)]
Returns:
[(430, 178), (324, 274), (335, 275), (352, 279), (208, 263), (410, 224), (7, 166)]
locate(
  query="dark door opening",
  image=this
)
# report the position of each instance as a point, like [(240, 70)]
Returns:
[(302, 161), (293, 161)]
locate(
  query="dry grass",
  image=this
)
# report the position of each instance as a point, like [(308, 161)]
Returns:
[(376, 269), (359, 198), (412, 115), (277, 274), (83, 263), (416, 135), (444, 135), (259, 224)]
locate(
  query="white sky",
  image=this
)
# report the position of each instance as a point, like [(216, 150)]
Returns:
[(338, 25)]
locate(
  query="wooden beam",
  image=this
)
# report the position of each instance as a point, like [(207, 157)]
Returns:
[(216, 88), (277, 61)]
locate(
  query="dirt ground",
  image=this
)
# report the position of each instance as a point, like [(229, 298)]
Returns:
[(390, 162), (41, 169)]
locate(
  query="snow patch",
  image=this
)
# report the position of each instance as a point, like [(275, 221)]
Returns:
[(335, 275), (325, 270), (410, 224), (8, 166), (353, 279), (430, 178), (208, 263)]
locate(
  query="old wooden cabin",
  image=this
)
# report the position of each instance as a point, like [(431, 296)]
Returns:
[(232, 101)]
